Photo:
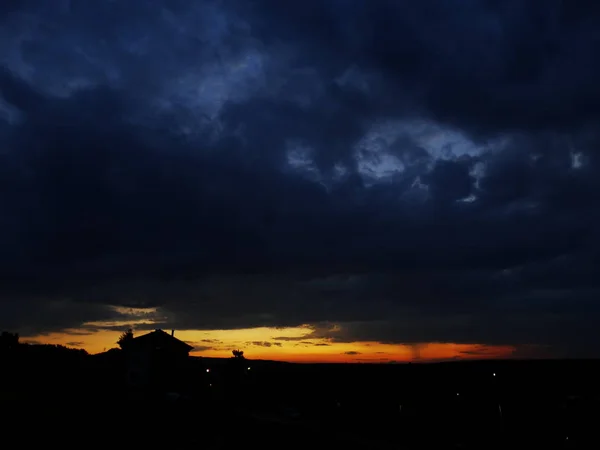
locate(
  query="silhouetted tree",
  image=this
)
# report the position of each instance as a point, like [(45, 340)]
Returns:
[(235, 375), (125, 339)]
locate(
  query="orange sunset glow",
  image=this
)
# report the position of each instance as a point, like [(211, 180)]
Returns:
[(286, 344)]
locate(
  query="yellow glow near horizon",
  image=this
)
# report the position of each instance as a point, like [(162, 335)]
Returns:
[(284, 344)]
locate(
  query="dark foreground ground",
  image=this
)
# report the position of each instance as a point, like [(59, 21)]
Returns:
[(545, 405), (129, 421)]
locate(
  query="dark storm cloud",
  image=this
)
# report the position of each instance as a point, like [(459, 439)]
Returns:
[(533, 61), (32, 315), (412, 171)]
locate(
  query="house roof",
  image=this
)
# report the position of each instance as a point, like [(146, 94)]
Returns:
[(160, 339)]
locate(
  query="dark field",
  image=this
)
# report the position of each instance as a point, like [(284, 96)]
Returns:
[(539, 404)]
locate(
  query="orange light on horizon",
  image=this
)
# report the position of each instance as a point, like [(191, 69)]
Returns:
[(292, 344)]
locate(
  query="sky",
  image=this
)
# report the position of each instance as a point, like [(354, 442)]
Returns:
[(326, 180)]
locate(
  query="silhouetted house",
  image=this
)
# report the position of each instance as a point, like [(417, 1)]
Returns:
[(157, 360)]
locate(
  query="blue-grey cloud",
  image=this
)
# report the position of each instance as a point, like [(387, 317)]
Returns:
[(440, 157)]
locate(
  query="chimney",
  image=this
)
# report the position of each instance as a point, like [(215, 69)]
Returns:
[(172, 332)]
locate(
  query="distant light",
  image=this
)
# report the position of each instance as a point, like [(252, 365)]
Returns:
[(494, 374), (210, 385), (207, 370), (248, 368), (457, 394)]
